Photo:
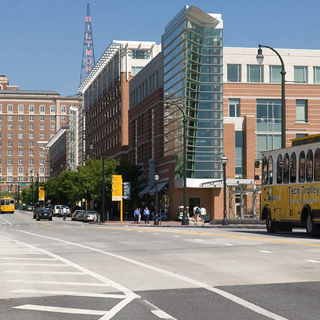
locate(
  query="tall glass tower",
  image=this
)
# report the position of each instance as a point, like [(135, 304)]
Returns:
[(192, 50)]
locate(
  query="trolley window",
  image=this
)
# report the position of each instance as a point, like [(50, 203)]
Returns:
[(279, 169), (293, 168), (270, 170), (309, 166), (302, 167), (286, 168), (264, 170), (317, 165)]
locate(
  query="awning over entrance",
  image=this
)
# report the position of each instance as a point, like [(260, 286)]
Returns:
[(160, 187), (144, 191)]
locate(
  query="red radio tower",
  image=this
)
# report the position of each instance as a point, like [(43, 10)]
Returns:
[(88, 60)]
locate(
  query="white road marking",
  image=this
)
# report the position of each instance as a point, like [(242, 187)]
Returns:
[(46, 272), (199, 240), (33, 264), (177, 236), (194, 282), (33, 259), (130, 295), (158, 312), (6, 221), (229, 244), (156, 233), (313, 261), (161, 314), (264, 251), (73, 293), (87, 284), (62, 310)]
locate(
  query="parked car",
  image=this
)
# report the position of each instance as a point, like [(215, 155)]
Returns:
[(29, 208), (75, 214), (91, 216), (57, 210), (80, 215), (43, 213)]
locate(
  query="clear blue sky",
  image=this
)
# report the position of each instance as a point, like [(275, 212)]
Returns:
[(42, 40)]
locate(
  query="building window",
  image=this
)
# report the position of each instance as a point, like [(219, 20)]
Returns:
[(63, 118), (52, 109), (275, 74), (52, 118), (234, 73), (9, 135), (31, 153), (31, 118), (41, 135), (31, 144), (63, 109), (9, 117), (135, 70), (20, 144), (20, 161), (301, 111), (31, 126), (9, 162), (41, 118), (20, 135), (139, 54), (10, 108), (301, 74), (20, 153), (254, 73), (239, 145), (268, 125), (234, 108), (31, 109), (9, 153), (20, 170), (41, 126), (31, 135), (20, 118), (316, 75), (31, 162), (301, 135), (9, 126), (52, 127), (9, 143), (20, 108), (41, 109)]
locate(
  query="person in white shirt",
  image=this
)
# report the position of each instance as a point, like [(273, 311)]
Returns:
[(203, 212), (196, 211)]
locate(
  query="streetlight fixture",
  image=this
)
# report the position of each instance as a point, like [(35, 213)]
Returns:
[(103, 181), (260, 58), (66, 163), (185, 219), (156, 179), (224, 161)]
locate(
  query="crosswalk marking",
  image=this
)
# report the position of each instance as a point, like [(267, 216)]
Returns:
[(88, 284), (313, 261), (62, 310), (46, 272), (73, 293)]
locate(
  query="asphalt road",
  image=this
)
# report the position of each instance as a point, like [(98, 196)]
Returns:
[(71, 270)]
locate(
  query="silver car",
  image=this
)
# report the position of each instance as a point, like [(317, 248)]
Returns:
[(90, 216)]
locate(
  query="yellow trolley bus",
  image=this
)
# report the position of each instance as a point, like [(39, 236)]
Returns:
[(290, 194), (6, 205)]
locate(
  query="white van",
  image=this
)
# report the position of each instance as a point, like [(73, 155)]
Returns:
[(57, 210)]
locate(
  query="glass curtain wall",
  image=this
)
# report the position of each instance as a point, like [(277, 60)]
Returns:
[(268, 125), (193, 81)]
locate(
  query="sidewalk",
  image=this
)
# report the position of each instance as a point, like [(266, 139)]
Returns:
[(246, 224)]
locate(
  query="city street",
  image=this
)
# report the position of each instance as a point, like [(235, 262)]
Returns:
[(71, 270)]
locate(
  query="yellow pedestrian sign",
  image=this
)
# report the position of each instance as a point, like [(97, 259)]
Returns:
[(116, 188)]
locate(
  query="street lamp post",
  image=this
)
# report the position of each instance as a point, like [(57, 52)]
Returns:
[(224, 161), (31, 174), (260, 58), (156, 179), (103, 181), (185, 219)]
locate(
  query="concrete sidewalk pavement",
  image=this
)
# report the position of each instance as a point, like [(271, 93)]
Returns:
[(233, 223)]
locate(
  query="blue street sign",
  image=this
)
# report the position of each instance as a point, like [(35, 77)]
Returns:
[(126, 190)]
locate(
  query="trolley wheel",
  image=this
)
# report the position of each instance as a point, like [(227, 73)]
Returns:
[(312, 228), (271, 225)]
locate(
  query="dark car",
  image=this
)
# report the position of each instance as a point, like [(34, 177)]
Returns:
[(43, 213), (75, 214), (80, 215)]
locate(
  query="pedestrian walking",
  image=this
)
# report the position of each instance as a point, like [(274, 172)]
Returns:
[(64, 213), (146, 213), (136, 215), (203, 212), (196, 211)]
